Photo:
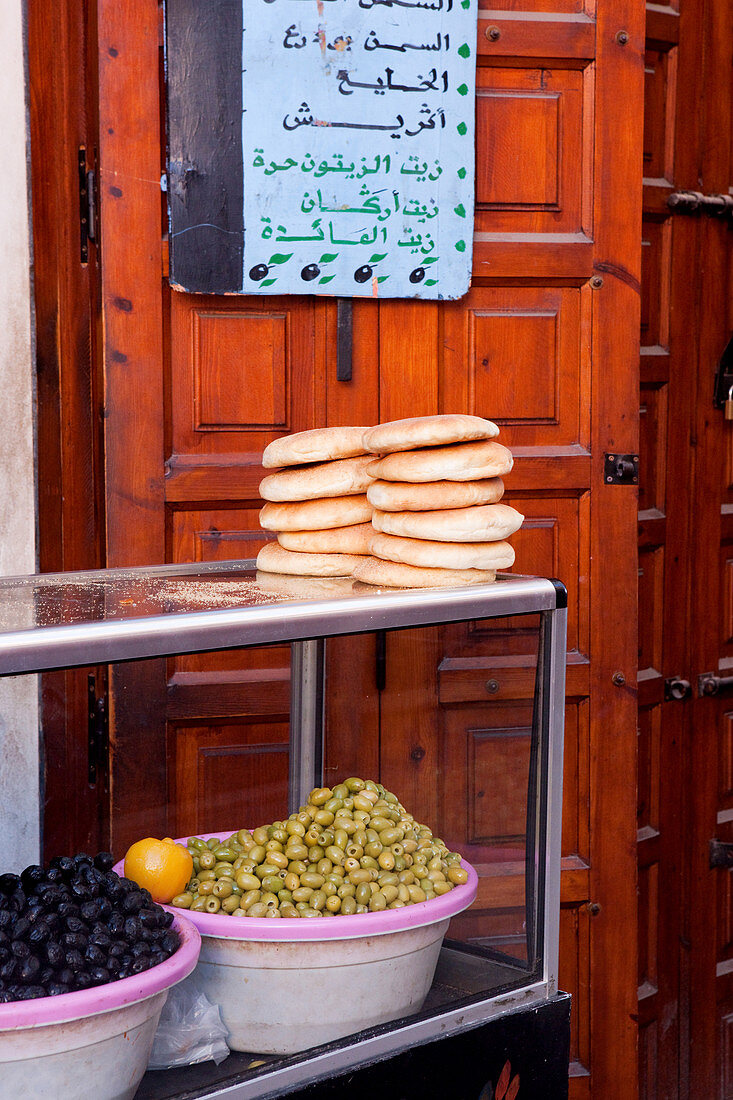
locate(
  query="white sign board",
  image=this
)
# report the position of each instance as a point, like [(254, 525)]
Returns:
[(358, 147)]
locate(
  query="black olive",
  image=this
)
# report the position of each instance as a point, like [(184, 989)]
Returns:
[(81, 859), (100, 939), (74, 940), (133, 903), (55, 954), (133, 928), (116, 924), (417, 275), (32, 876), (74, 960), (104, 907), (20, 949), (104, 861), (114, 966), (148, 918), (18, 900), (99, 975), (36, 911), (312, 271), (52, 920), (46, 975), (258, 272), (6, 918), (66, 865), (39, 933), (55, 876), (75, 924), (9, 970), (21, 928), (117, 950), (29, 969), (363, 273), (90, 911), (167, 918), (5, 998), (170, 942), (55, 989), (66, 976), (94, 955), (138, 949), (140, 964), (9, 883), (4, 953), (80, 890), (82, 980), (67, 909)]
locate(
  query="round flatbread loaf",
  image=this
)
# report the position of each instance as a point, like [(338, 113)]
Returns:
[(442, 555), (316, 515), (334, 540), (274, 558), (403, 496), (316, 445), (346, 477), (390, 574), (487, 523), (289, 587), (427, 431), (456, 462)]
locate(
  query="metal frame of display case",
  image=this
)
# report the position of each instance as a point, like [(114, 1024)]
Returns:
[(116, 633)]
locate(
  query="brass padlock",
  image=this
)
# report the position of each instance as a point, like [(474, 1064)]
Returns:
[(729, 405)]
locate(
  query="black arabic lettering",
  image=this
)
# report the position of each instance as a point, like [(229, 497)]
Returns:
[(429, 83), (291, 41), (373, 43)]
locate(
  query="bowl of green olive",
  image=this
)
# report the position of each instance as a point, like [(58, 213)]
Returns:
[(342, 907)]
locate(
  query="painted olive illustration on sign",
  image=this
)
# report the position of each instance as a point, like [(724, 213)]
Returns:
[(363, 273), (417, 275), (258, 272), (312, 271)]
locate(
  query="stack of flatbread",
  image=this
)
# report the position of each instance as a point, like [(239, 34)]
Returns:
[(316, 502), (436, 488)]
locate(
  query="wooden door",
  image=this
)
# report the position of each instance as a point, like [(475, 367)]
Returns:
[(685, 798), (544, 342)]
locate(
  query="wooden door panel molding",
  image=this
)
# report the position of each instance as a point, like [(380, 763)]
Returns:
[(529, 140), (660, 87), (522, 338), (656, 247), (226, 776), (242, 371)]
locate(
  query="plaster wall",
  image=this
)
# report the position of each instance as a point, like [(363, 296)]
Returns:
[(19, 741)]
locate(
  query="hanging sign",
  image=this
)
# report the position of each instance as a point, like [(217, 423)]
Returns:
[(354, 150)]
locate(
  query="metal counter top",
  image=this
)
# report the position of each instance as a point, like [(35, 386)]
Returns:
[(61, 620)]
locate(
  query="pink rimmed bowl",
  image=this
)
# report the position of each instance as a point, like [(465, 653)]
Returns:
[(289, 984), (96, 1041)]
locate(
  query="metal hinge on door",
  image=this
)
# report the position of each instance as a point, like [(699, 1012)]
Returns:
[(97, 731), (87, 206), (721, 853)]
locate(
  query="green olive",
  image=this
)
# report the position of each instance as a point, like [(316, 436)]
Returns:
[(457, 875), (223, 888), (363, 893), (183, 901), (348, 906)]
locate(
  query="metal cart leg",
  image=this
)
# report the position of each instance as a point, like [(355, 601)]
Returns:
[(552, 680), (307, 672)]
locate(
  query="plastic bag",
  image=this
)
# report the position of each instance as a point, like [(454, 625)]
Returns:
[(190, 1029)]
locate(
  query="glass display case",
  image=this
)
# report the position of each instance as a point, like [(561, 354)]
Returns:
[(497, 783)]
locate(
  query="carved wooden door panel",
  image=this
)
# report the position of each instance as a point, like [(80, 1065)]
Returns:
[(544, 343)]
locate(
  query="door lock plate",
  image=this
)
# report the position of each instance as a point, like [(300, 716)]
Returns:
[(621, 469)]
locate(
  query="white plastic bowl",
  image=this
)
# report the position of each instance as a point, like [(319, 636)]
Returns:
[(289, 984), (95, 1042)]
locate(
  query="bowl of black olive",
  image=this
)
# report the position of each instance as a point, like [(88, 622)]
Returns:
[(86, 962)]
